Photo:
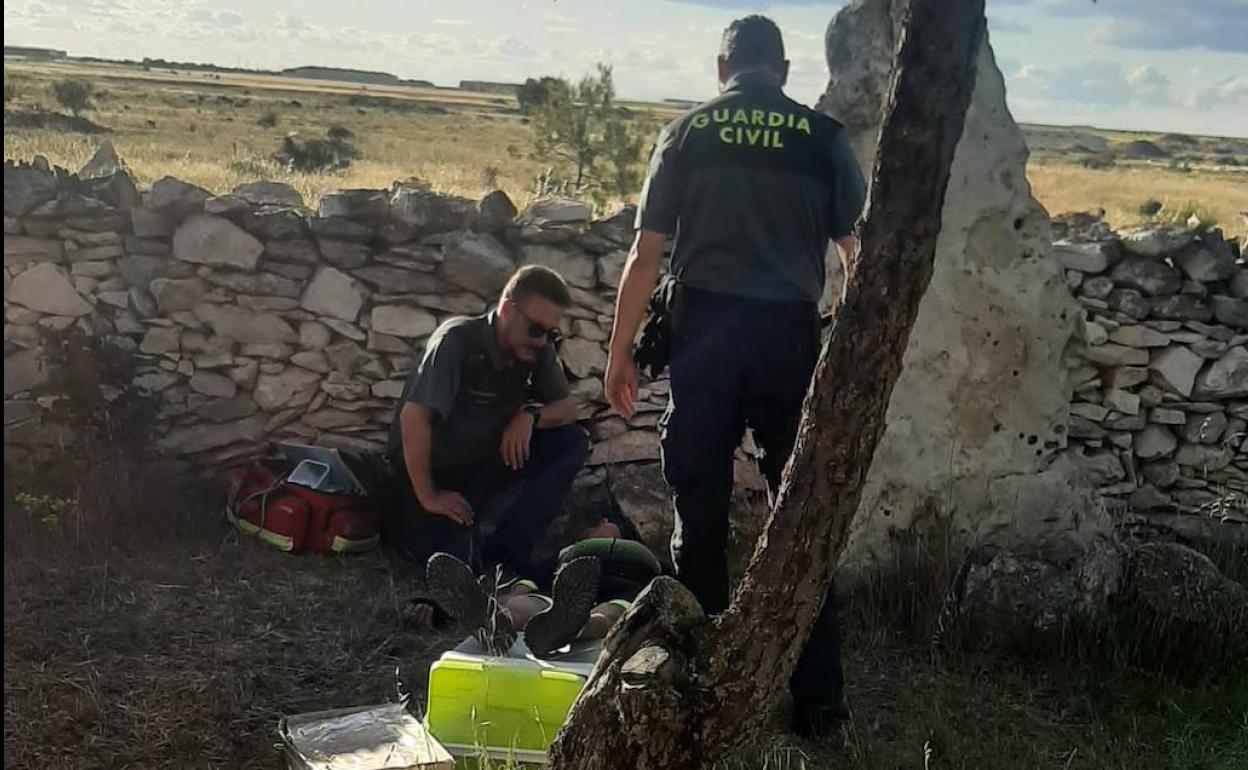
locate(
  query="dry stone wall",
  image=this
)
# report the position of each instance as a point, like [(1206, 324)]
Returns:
[(257, 319), (1160, 383)]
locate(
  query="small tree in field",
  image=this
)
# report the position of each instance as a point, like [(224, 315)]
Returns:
[(590, 143), (535, 91), (73, 94)]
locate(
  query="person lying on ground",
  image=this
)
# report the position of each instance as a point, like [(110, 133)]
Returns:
[(596, 582), (422, 613)]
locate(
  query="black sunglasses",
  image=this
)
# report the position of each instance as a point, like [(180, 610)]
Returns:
[(537, 331)]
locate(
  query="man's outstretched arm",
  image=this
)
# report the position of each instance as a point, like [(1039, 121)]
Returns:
[(641, 275), (416, 425)]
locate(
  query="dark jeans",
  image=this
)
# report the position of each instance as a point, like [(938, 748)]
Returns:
[(738, 362), (512, 509)]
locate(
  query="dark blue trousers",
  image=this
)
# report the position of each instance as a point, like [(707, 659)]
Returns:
[(513, 509), (739, 362)]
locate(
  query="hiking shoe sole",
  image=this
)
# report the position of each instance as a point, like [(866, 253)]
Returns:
[(455, 588), (574, 594)]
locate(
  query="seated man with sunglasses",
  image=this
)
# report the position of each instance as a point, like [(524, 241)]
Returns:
[(484, 444)]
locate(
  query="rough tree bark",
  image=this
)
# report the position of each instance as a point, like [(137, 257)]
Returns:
[(674, 689)]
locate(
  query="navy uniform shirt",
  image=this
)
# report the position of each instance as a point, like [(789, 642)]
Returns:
[(473, 388), (752, 185)]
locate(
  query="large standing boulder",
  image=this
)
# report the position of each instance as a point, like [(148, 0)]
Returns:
[(995, 321)]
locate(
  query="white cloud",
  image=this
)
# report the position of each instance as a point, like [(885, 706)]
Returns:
[(1006, 26), (1093, 83), (666, 49), (1213, 25), (1232, 90)]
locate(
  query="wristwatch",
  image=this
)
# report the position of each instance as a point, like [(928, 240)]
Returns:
[(535, 411)]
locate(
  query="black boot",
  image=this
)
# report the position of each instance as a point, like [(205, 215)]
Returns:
[(574, 594), (454, 587)]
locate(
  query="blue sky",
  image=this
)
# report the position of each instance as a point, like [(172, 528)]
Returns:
[(1173, 65)]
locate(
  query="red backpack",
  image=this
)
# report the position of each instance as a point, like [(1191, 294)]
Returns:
[(290, 509)]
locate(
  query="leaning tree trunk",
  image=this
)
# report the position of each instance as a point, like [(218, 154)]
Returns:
[(673, 689)]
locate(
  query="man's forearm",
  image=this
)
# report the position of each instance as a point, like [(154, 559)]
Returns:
[(417, 450), (641, 275), (557, 413)]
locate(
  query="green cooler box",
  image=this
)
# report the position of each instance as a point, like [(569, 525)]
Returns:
[(508, 706)]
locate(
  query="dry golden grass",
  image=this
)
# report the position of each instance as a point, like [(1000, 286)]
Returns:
[(208, 135), (1121, 191)]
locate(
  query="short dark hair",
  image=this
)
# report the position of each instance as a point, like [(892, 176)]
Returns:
[(539, 281), (752, 42)]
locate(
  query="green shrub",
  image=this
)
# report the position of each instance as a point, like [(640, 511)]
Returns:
[(340, 133), (590, 145), (73, 94), (317, 155)]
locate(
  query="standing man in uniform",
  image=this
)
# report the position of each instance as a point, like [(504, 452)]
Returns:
[(750, 186)]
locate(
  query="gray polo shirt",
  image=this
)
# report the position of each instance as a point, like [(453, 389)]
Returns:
[(473, 389), (752, 185)]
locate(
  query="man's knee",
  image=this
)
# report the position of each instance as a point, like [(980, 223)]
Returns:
[(564, 447), (568, 442)]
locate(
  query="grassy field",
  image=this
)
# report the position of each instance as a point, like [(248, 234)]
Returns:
[(208, 131), (185, 651), (205, 128)]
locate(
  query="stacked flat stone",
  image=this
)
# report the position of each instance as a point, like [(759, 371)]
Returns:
[(1160, 386)]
